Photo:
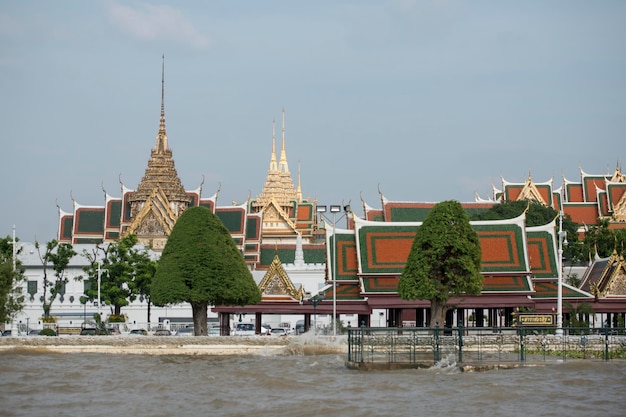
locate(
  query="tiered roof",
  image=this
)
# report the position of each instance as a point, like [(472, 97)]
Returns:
[(595, 196), (518, 263)]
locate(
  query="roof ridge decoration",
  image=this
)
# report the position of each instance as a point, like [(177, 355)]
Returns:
[(277, 282)]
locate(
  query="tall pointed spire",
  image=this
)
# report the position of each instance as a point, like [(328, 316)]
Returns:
[(282, 165), (273, 166), (299, 188), (161, 144), (278, 183), (161, 177)]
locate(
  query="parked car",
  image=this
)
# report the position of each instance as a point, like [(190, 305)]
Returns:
[(88, 331), (279, 331), (185, 331), (162, 332), (244, 329), (114, 331), (34, 332), (214, 331), (138, 332), (300, 327)]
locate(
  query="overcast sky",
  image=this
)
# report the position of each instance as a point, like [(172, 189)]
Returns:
[(424, 100)]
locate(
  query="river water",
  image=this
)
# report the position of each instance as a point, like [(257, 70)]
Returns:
[(91, 384)]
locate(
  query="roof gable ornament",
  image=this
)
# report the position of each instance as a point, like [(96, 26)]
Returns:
[(618, 176), (156, 218), (276, 282), (612, 281), (275, 217), (531, 193), (619, 210)]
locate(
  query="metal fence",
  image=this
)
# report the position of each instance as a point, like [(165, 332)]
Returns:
[(423, 347)]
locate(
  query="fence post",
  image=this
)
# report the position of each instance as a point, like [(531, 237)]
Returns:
[(461, 342), (606, 343), (436, 335), (521, 343), (362, 340)]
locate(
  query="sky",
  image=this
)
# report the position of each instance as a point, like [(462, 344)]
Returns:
[(418, 100)]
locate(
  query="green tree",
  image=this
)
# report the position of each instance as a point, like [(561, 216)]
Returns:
[(123, 268), (201, 265), (58, 255), (601, 240), (445, 260), (144, 273), (11, 281), (577, 316)]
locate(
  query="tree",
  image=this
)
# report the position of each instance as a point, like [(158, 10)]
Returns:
[(122, 269), (202, 265), (602, 240), (59, 255), (445, 260), (145, 270), (11, 297), (578, 316)]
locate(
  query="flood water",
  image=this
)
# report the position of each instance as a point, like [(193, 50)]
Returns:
[(88, 384)]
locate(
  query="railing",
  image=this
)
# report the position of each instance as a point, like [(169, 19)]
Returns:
[(423, 347)]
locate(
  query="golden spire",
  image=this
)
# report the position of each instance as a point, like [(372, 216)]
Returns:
[(299, 189), (161, 172), (161, 143), (282, 165), (273, 166), (278, 183)]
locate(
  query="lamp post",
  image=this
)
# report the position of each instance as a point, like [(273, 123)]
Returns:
[(14, 288), (99, 299), (334, 209), (559, 294), (315, 300)]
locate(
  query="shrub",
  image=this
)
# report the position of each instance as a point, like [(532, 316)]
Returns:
[(47, 332)]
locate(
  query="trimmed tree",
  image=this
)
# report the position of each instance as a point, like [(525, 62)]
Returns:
[(444, 260), (202, 265)]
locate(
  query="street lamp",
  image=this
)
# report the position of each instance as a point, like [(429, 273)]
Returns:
[(334, 209), (99, 299), (559, 294), (317, 298)]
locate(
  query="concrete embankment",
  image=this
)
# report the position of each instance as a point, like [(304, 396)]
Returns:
[(173, 345)]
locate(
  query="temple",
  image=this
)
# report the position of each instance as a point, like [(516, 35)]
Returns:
[(306, 263)]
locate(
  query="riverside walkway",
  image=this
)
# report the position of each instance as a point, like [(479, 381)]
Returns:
[(477, 348)]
